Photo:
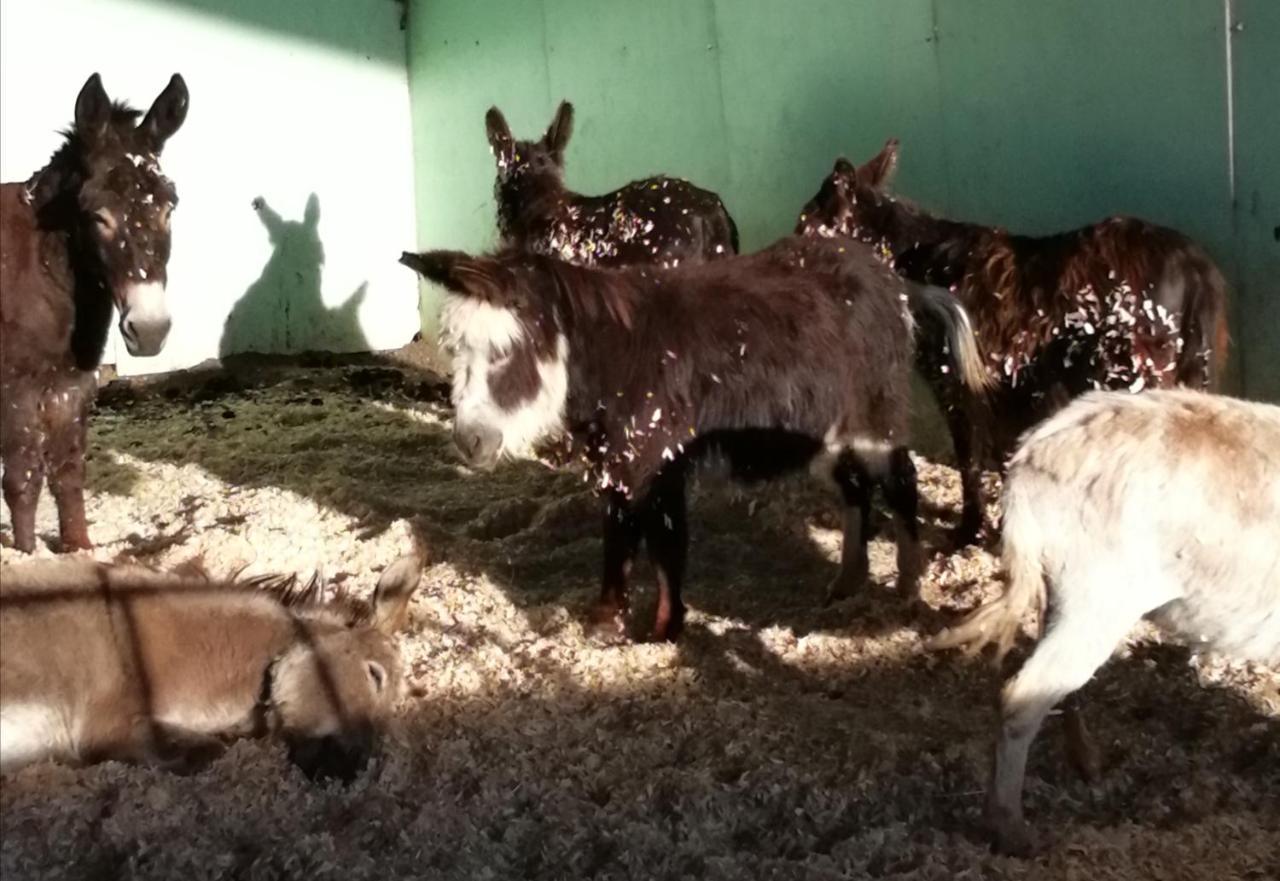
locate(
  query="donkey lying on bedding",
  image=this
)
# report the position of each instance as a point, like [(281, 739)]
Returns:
[(797, 355), (1119, 304), (103, 662), (1165, 504), (659, 220)]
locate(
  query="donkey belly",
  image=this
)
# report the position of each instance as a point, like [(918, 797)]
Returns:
[(759, 454)]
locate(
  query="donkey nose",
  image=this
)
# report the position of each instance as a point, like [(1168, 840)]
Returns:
[(144, 338), (479, 444)]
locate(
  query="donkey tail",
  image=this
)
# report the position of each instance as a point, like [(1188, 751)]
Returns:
[(961, 340), (1000, 620)]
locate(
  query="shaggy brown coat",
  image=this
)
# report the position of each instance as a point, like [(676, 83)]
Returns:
[(86, 232), (663, 221), (1119, 304), (797, 355)]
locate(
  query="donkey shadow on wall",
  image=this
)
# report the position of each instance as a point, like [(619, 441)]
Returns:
[(284, 310)]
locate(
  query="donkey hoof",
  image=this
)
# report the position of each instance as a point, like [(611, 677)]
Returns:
[(968, 532), (841, 588), (606, 624), (667, 631), (1010, 836)]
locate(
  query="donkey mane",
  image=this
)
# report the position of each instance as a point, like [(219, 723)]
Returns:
[(63, 171), (307, 598)]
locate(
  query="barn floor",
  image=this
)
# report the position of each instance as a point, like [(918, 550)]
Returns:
[(777, 740)]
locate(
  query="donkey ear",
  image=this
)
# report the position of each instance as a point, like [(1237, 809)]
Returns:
[(844, 168), (395, 589), (167, 113), (438, 266), (93, 109), (557, 136), (499, 133), (480, 277), (879, 171)]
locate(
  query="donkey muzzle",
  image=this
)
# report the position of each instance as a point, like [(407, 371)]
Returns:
[(479, 444), (144, 319), (334, 756)]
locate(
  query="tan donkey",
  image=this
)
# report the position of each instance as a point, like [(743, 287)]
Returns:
[(102, 662)]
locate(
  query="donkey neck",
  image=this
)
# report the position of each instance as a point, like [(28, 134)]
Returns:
[(72, 270), (924, 248), (528, 203)]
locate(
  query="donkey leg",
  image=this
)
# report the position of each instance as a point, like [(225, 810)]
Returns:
[(963, 442), (621, 541), (66, 416), (1082, 750), (1071, 651), (667, 537), (850, 474), (23, 477), (903, 496)]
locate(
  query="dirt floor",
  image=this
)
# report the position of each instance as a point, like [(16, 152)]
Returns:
[(778, 739)]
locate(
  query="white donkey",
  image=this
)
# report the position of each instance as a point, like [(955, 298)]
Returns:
[(1164, 505)]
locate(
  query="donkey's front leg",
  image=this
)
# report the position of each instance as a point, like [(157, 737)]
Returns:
[(902, 494), (23, 476), (667, 535), (621, 540), (66, 414)]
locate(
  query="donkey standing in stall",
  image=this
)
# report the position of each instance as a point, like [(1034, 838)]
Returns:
[(658, 220), (798, 355), (88, 230), (1120, 304), (1121, 506), (119, 662)]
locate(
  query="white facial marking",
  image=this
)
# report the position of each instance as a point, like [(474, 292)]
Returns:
[(145, 303), (482, 337), (467, 323)]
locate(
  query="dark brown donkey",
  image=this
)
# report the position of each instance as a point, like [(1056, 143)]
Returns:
[(88, 231), (659, 220), (1119, 304), (799, 355)]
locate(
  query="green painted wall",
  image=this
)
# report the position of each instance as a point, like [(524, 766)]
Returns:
[(1036, 116)]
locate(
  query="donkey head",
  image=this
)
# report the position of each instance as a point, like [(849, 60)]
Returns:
[(332, 691), (124, 202), (510, 360), (529, 159), (847, 192)]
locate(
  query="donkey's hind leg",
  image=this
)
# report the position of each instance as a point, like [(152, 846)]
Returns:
[(902, 494), (1078, 641), (66, 414), (622, 534), (855, 483), (667, 538)]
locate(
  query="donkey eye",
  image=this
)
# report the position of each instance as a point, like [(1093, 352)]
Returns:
[(105, 221), (377, 675)]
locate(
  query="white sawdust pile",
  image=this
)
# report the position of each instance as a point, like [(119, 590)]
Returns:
[(778, 739)]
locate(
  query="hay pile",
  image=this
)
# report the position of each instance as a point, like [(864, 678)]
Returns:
[(777, 740)]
